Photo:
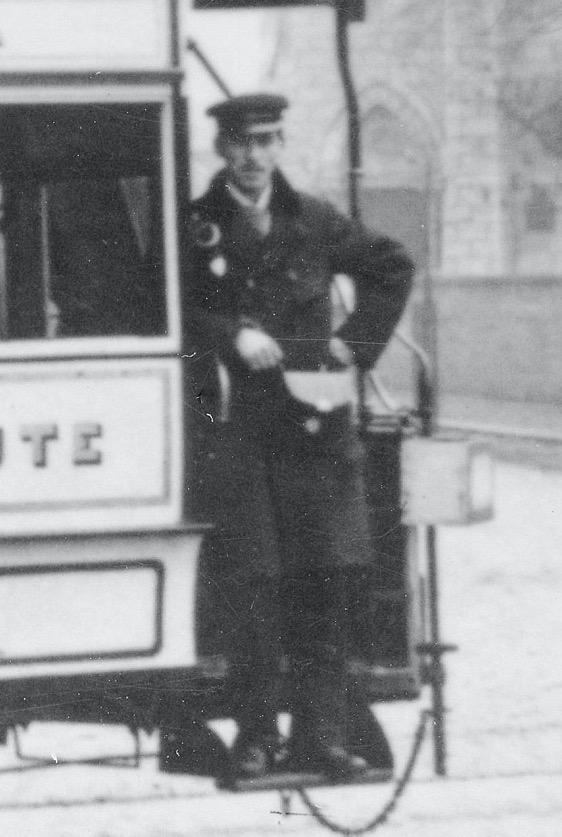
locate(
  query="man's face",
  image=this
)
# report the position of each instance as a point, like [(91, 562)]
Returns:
[(251, 159)]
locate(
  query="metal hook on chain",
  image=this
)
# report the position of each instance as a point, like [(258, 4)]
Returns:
[(380, 818), (286, 799)]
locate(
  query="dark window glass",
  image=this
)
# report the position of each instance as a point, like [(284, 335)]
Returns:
[(81, 244)]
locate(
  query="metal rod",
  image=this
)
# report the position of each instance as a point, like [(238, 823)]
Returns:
[(427, 364), (174, 33), (427, 404), (194, 48), (354, 155), (428, 409), (352, 107), (437, 672), (427, 383)]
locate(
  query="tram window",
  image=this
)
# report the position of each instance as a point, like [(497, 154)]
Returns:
[(81, 231)]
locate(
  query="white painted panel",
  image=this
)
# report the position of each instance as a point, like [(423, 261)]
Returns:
[(83, 34), (90, 445), (142, 623), (80, 611)]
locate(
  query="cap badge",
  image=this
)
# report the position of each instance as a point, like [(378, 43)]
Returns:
[(218, 266), (207, 235)]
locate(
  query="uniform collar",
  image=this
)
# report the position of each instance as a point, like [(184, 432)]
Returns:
[(219, 201), (242, 199)]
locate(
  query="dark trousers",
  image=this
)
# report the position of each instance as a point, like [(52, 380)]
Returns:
[(300, 619), (316, 643), (291, 529), (252, 644)]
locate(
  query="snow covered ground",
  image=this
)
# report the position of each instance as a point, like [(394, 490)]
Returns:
[(501, 602)]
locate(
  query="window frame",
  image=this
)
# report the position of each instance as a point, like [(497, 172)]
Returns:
[(114, 345)]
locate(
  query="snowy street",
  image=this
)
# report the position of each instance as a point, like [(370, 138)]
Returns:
[(501, 602)]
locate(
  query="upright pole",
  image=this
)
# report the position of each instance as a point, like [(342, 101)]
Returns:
[(181, 130), (437, 671), (183, 197), (427, 385), (427, 405), (352, 109), (354, 153)]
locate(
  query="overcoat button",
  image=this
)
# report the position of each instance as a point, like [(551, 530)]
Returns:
[(312, 425)]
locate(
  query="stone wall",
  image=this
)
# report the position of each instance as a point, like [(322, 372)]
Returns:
[(496, 337), (439, 70), (501, 337), (396, 56), (474, 230)]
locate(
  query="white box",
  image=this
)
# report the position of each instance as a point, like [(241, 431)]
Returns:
[(445, 481)]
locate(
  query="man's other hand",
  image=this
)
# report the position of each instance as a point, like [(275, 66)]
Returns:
[(340, 351), (257, 349)]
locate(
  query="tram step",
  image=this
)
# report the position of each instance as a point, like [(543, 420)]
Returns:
[(294, 781)]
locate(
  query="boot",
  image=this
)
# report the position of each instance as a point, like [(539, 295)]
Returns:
[(318, 742), (257, 744)]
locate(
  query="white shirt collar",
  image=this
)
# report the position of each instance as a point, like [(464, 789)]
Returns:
[(261, 203)]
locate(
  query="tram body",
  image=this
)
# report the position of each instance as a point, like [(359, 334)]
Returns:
[(99, 548)]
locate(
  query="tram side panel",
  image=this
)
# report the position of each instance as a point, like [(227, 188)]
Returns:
[(97, 558), (96, 569)]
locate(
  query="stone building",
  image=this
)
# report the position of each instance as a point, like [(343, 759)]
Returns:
[(461, 158)]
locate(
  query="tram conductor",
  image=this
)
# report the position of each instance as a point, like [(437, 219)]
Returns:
[(281, 477)]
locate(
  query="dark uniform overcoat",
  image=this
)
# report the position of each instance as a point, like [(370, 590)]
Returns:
[(281, 284), (286, 504)]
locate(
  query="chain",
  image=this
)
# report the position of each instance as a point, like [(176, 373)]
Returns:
[(381, 817)]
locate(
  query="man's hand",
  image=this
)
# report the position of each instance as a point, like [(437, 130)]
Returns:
[(258, 349), (340, 351)]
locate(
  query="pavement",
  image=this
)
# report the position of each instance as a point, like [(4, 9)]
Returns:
[(526, 419), (96, 802), (521, 432)]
